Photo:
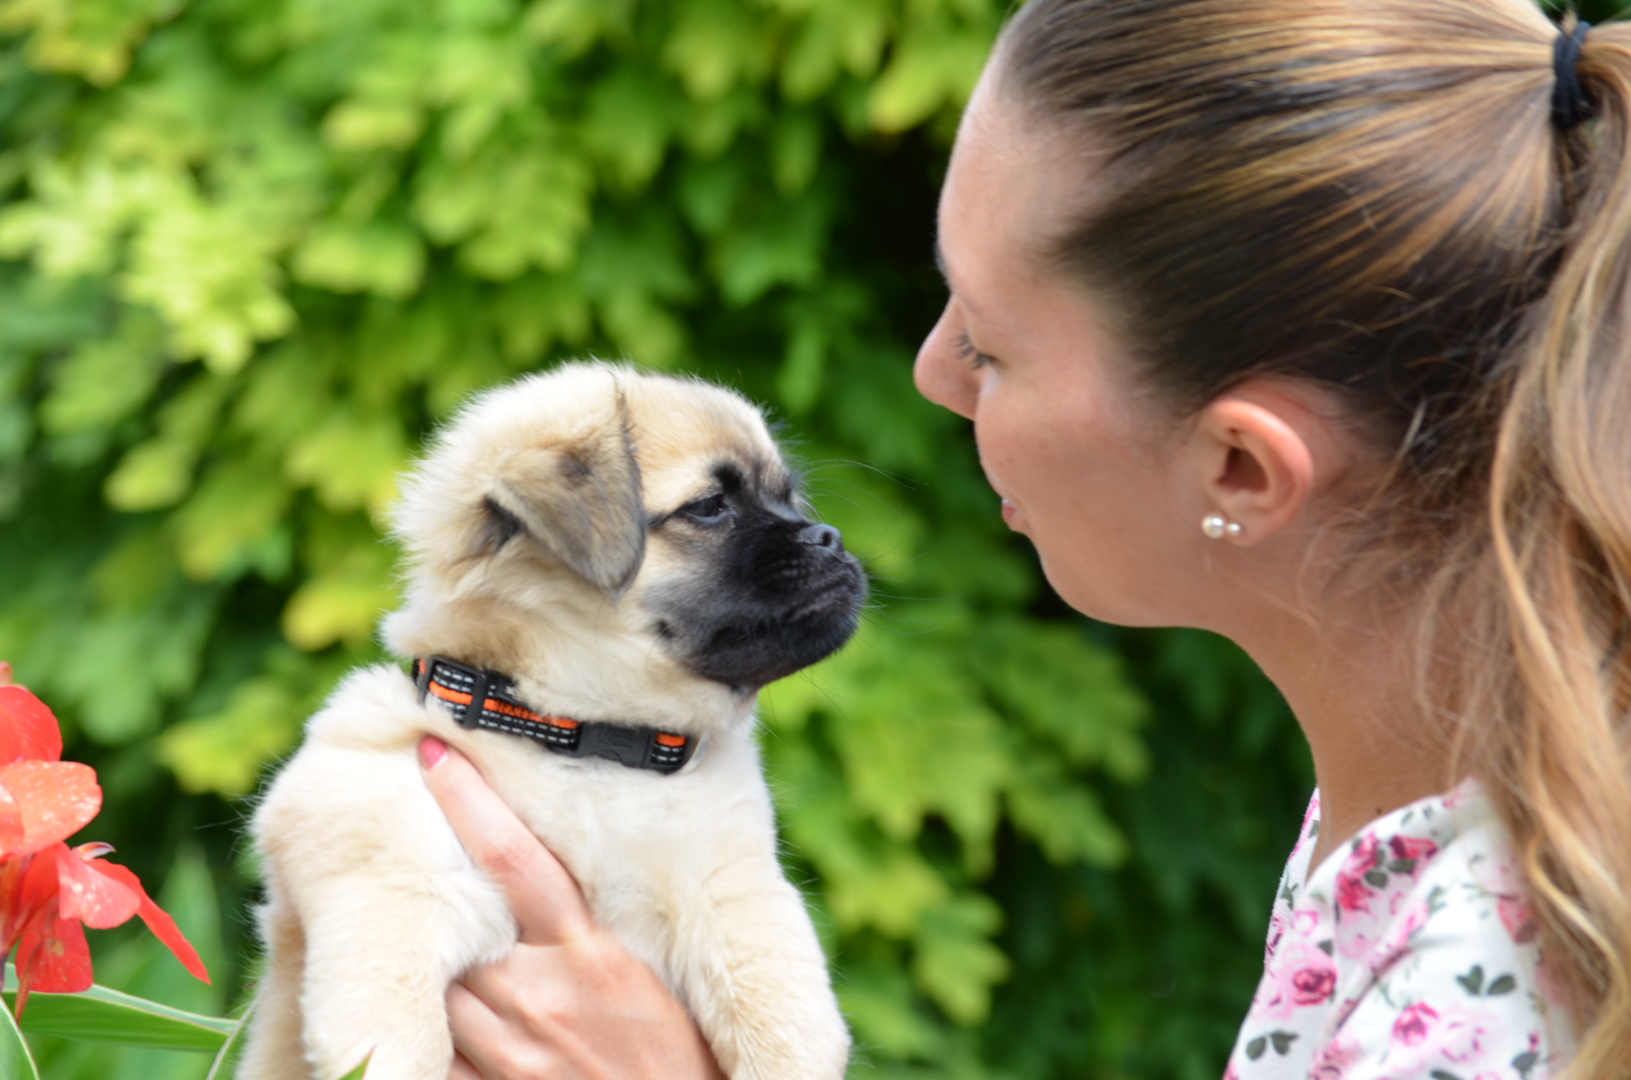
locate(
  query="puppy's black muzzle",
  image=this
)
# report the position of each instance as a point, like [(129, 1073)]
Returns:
[(778, 596)]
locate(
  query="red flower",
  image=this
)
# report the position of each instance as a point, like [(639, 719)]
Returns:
[(47, 889)]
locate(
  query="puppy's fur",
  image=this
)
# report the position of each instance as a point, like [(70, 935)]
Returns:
[(625, 547)]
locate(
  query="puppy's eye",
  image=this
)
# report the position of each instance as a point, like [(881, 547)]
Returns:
[(705, 511)]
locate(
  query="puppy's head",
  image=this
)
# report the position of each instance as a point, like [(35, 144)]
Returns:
[(596, 527)]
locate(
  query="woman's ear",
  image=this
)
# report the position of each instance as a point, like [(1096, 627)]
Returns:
[(1257, 459)]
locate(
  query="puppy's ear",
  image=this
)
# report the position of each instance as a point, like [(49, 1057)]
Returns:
[(581, 501)]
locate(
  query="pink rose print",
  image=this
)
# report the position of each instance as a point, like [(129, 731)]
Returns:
[(1518, 918), (1465, 1035), (1353, 892), (1412, 847), (1338, 1054), (1426, 1040), (1300, 975), (1312, 985), (1305, 922), (1414, 1024), (1502, 880), (1230, 1073), (1277, 930)]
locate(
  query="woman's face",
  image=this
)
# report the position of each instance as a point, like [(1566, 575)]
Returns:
[(1086, 467)]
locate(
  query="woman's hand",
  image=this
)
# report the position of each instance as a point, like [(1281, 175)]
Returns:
[(568, 1002)]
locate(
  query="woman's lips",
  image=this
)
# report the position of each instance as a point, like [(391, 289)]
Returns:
[(1008, 513)]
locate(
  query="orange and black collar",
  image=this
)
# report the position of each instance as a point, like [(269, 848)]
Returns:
[(461, 688)]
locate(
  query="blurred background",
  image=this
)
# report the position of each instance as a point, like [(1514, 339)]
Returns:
[(253, 251)]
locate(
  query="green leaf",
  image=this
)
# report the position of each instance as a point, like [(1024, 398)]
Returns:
[(211, 273), (16, 1062), (1068, 691), (795, 151), (877, 998), (714, 44), (224, 752), (629, 120), (159, 472), (955, 961), (233, 522), (574, 25), (360, 1071), (520, 201), (343, 601), (103, 381), (373, 125), (784, 248), (837, 36), (378, 257), (227, 1056), (1063, 817), (350, 462), (103, 1015), (935, 64)]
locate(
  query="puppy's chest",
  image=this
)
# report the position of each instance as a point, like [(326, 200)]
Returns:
[(620, 830)]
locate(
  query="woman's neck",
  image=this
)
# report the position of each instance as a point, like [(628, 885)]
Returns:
[(1348, 676)]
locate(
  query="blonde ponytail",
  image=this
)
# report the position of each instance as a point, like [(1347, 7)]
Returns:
[(1560, 521)]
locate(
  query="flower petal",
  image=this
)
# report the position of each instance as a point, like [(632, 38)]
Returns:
[(28, 731), (52, 956), (95, 899), (164, 928), (55, 799), (11, 821), (28, 886)]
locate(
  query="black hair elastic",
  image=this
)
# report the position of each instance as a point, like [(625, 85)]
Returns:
[(1568, 103)]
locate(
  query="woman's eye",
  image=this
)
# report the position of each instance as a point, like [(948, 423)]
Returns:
[(968, 353), (705, 510)]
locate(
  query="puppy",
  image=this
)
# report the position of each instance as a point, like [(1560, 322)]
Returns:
[(603, 567)]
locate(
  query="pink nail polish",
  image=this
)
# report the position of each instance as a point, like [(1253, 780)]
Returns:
[(431, 751)]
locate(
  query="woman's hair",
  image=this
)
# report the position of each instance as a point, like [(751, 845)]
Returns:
[(1373, 195)]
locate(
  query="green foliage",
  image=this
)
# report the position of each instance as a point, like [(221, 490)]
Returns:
[(254, 249), (103, 1015)]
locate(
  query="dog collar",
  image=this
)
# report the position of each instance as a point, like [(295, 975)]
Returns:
[(460, 688)]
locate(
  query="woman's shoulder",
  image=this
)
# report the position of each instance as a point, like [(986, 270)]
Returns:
[(1412, 950)]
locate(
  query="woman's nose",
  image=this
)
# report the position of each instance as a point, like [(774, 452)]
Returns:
[(941, 375)]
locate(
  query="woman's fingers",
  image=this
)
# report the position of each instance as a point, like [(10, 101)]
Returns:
[(547, 903), (462, 1069), (481, 1038)]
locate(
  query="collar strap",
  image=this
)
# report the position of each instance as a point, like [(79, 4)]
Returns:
[(460, 689)]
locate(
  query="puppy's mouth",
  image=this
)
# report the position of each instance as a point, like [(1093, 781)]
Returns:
[(749, 631)]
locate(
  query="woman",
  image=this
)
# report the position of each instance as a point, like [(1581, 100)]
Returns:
[(1302, 321)]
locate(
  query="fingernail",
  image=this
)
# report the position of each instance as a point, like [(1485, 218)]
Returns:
[(431, 751)]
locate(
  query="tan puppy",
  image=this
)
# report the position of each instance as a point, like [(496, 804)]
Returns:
[(611, 565)]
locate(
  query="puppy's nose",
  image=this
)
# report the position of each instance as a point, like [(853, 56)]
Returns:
[(821, 536)]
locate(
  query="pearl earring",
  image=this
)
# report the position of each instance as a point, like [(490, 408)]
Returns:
[(1217, 527)]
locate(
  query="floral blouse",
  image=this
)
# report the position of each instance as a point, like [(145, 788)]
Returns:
[(1408, 955)]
